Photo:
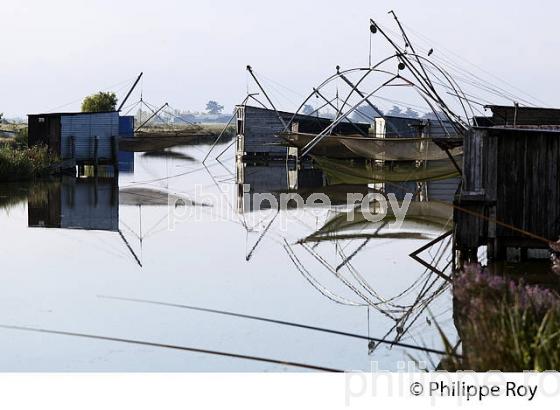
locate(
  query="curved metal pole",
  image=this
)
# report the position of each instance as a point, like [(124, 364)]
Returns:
[(429, 94), (341, 116), (366, 117), (457, 88), (355, 87), (333, 77), (420, 90), (369, 71), (351, 122), (450, 80), (323, 84), (323, 133)]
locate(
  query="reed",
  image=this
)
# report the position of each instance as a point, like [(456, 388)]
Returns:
[(24, 163)]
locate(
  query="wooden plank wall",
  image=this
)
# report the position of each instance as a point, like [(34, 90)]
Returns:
[(259, 126), (511, 176), (528, 182), (470, 227), (259, 129), (474, 161)]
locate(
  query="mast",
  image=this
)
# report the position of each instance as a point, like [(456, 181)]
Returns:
[(130, 91)]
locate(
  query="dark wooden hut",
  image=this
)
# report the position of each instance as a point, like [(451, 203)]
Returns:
[(510, 195)]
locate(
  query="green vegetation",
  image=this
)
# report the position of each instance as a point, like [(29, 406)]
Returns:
[(505, 325), (17, 163), (102, 101)]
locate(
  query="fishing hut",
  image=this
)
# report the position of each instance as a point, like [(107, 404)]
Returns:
[(510, 195), (257, 130), (77, 138)]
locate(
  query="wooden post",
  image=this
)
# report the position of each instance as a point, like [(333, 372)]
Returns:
[(114, 148), (115, 153), (115, 191), (73, 147), (95, 189), (95, 154)]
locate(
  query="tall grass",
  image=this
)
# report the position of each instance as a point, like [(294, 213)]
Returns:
[(22, 163), (505, 325)]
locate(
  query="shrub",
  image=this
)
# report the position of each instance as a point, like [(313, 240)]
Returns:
[(24, 163)]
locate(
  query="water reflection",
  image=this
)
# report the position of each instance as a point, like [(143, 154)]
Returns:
[(341, 247), (76, 203), (317, 270), (278, 178), (305, 179), (126, 162)]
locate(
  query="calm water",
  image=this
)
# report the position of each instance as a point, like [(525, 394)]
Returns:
[(65, 244)]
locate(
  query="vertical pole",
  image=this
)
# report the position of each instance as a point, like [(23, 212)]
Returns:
[(115, 152), (115, 192), (95, 189), (73, 147), (96, 154)]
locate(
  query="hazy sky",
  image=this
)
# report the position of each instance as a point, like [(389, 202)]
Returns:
[(56, 52)]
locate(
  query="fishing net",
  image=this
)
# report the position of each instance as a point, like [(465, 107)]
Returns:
[(430, 215), (347, 172), (398, 149)]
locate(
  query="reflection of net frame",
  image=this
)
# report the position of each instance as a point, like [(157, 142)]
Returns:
[(343, 172)]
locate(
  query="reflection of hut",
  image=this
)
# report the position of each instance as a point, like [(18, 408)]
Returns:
[(283, 180), (274, 178), (78, 203)]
